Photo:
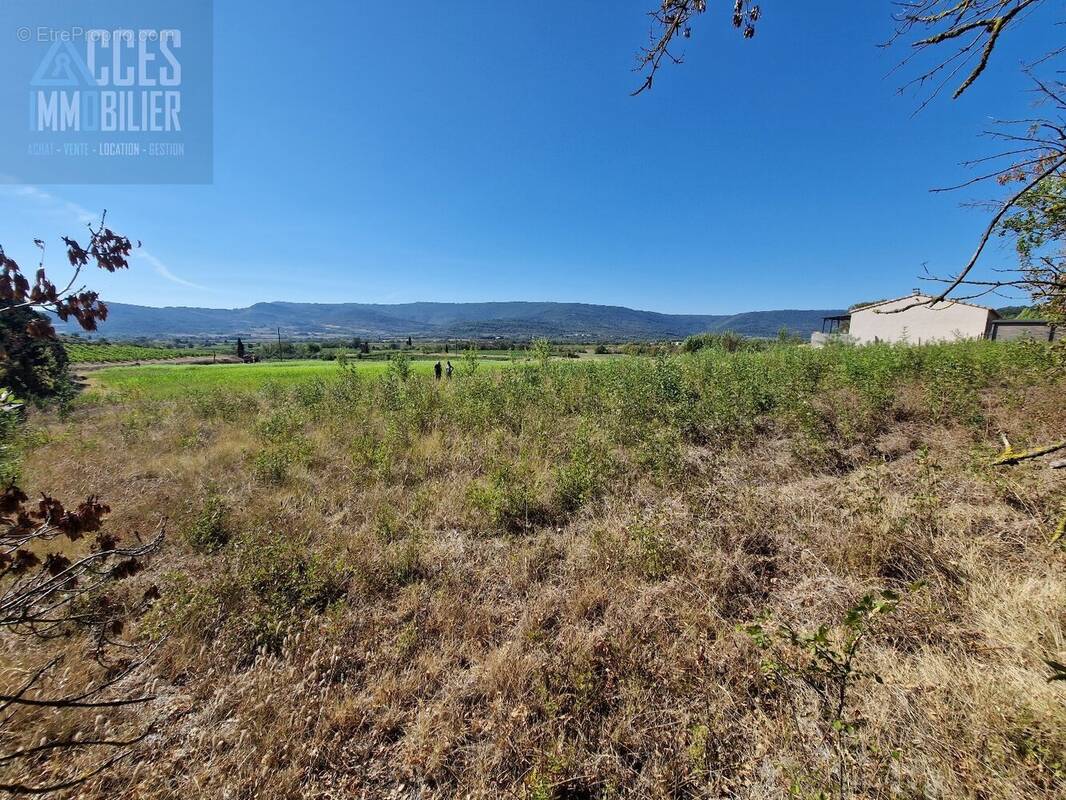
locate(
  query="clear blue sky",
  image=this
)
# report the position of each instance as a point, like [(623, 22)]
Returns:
[(468, 151)]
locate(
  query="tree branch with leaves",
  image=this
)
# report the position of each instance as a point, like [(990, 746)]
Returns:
[(60, 572), (673, 20)]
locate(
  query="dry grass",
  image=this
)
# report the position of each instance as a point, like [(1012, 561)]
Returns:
[(433, 599)]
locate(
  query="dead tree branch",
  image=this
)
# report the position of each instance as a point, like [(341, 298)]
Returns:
[(1011, 456)]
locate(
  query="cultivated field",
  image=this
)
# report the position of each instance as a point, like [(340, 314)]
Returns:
[(162, 381), (80, 353), (633, 578)]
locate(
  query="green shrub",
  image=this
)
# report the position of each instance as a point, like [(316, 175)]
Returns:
[(825, 662), (399, 366), (278, 582), (654, 553), (541, 350), (273, 464), (506, 496), (583, 478), (285, 444), (661, 453), (727, 341), (220, 404), (285, 575), (387, 524), (281, 425), (209, 531)]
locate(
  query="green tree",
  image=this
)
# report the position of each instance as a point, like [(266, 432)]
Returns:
[(468, 366), (34, 368), (1038, 227), (399, 366), (541, 350)]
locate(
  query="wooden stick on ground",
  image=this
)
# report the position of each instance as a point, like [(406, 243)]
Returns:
[(1012, 456), (1060, 530)]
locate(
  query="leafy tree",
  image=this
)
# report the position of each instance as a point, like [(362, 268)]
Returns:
[(541, 351), (1038, 226), (32, 367), (240, 348), (32, 362)]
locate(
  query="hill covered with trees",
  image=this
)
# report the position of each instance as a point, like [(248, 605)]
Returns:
[(579, 321)]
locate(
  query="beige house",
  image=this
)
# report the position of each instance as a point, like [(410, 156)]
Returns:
[(945, 321)]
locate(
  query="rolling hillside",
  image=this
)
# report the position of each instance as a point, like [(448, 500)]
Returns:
[(578, 321)]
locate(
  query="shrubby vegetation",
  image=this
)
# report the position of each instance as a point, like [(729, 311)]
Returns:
[(611, 577), (728, 341)]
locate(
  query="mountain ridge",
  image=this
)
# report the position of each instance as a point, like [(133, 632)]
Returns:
[(506, 319)]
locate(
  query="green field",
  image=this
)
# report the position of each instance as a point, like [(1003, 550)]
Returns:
[(80, 353), (165, 380)]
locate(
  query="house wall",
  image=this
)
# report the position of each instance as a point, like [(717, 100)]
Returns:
[(944, 322)]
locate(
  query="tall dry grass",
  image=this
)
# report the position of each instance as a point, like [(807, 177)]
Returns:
[(529, 583)]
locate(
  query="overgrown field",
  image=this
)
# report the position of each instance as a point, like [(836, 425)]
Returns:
[(85, 353), (619, 578)]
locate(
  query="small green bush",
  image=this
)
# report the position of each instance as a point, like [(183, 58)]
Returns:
[(272, 465), (654, 554), (506, 496), (209, 530), (278, 581), (583, 478)]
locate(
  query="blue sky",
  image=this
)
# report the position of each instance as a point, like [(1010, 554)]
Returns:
[(468, 151)]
